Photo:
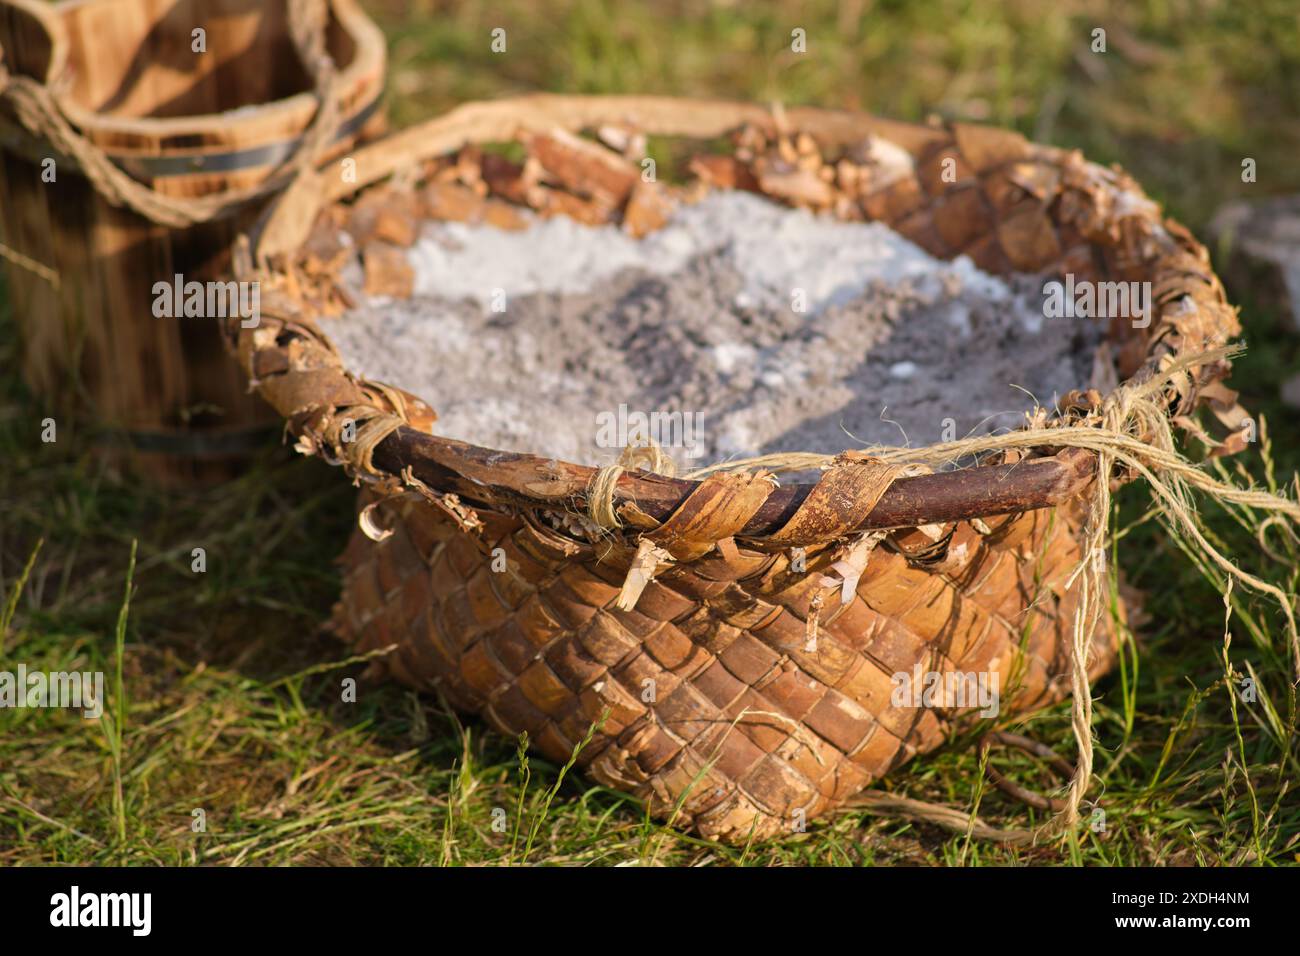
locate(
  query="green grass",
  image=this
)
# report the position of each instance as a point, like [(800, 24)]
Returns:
[(230, 697)]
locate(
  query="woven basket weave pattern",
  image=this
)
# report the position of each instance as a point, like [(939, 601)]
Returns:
[(748, 722), (725, 709)]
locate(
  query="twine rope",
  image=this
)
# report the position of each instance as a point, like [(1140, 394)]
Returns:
[(37, 108), (372, 427), (601, 491)]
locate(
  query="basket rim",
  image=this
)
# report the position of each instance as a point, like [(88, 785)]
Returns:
[(293, 364)]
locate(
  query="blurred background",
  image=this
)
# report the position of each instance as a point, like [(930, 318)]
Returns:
[(231, 677)]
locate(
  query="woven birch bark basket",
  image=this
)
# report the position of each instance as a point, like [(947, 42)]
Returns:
[(767, 617)]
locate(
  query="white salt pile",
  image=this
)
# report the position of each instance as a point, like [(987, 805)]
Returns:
[(740, 328)]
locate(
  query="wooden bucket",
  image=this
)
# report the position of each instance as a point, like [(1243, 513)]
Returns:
[(197, 102)]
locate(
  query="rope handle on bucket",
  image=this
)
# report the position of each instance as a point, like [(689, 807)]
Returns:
[(37, 108)]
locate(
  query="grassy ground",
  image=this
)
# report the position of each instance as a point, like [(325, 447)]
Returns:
[(229, 692)]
